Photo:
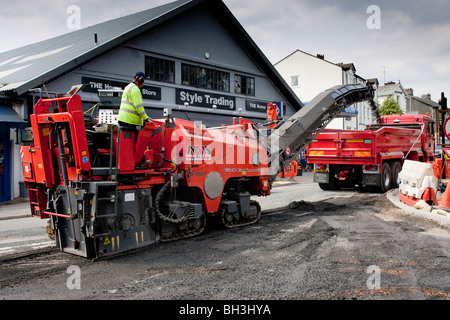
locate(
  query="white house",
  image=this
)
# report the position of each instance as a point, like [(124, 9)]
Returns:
[(396, 91), (308, 75)]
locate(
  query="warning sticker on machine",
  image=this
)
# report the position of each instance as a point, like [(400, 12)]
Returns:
[(129, 197)]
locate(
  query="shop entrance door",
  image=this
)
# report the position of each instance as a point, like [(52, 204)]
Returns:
[(5, 164)]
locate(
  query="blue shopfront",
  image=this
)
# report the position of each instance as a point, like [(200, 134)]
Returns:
[(10, 123)]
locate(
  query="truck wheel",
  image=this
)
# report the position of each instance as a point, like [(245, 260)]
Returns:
[(385, 178), (396, 167), (324, 186), (334, 184)]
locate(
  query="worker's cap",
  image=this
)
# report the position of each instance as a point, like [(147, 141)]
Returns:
[(140, 74)]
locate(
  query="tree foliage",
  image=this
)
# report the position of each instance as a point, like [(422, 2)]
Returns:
[(390, 106)]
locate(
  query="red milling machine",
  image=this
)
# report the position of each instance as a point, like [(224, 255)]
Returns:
[(110, 192)]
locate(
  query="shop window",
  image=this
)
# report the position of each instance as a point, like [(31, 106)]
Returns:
[(200, 77), (160, 69), (244, 85)]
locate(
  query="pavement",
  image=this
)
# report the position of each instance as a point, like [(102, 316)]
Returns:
[(20, 207), (438, 214), (15, 209)]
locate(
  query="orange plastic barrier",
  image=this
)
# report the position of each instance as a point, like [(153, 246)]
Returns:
[(290, 171), (437, 168)]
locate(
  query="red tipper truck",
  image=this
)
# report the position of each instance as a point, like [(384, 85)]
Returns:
[(372, 157)]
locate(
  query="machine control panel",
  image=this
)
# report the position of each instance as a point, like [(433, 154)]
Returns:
[(108, 116)]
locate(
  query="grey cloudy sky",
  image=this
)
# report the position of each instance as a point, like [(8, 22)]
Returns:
[(412, 44)]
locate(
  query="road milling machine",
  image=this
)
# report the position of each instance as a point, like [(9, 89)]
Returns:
[(111, 191)]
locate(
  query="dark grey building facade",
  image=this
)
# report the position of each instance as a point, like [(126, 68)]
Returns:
[(202, 63)]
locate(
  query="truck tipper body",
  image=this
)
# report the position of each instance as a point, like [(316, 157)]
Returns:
[(372, 157)]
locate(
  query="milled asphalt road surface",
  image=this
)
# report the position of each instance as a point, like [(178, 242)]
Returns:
[(345, 247)]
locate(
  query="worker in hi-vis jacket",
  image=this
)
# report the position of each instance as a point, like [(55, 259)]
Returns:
[(132, 112)]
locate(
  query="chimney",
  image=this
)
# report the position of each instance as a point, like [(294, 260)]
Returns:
[(409, 91), (321, 56), (426, 96)]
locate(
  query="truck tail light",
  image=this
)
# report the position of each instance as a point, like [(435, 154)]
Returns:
[(320, 168)]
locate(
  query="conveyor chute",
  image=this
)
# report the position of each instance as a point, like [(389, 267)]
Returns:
[(292, 136)]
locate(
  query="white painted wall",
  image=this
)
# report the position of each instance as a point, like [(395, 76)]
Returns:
[(315, 75)]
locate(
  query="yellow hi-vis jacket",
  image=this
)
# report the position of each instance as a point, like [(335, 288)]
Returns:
[(131, 107)]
